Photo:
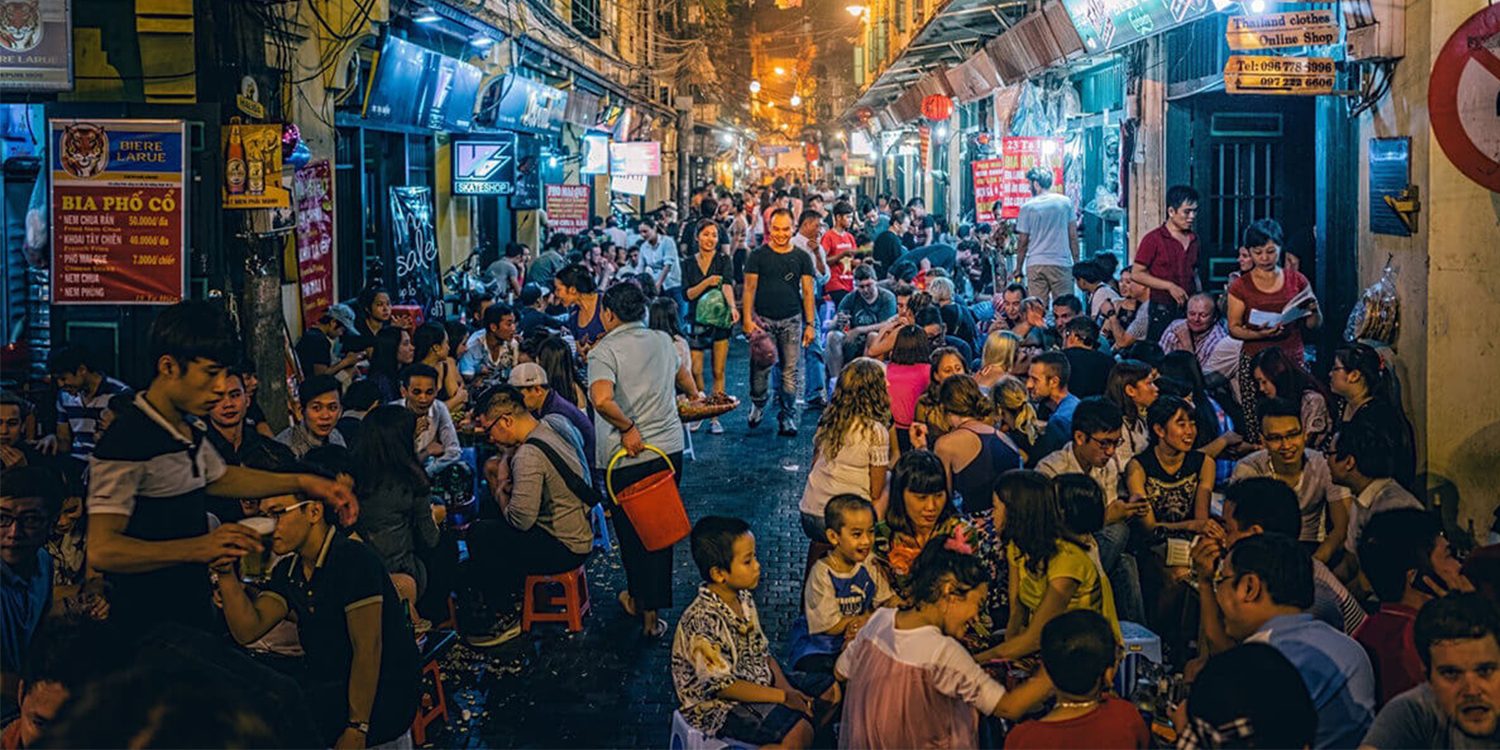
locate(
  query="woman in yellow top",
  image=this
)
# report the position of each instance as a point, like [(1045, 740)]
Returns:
[(1052, 570)]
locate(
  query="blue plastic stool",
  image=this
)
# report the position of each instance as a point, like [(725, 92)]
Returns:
[(685, 737), (601, 528), (1140, 643)]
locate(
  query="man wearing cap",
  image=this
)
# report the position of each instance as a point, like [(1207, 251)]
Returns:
[(531, 380), (315, 350)]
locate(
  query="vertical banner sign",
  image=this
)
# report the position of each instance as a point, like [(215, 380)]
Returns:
[(312, 187), (1020, 154), (988, 178), (252, 167), (119, 234), (36, 45), (416, 250), (568, 208)]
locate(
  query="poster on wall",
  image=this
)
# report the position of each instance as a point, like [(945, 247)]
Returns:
[(528, 192), (312, 187), (119, 229), (988, 178), (568, 208), (415, 250), (530, 106), (643, 157), (252, 167), (1019, 154), (36, 45), (1109, 24)]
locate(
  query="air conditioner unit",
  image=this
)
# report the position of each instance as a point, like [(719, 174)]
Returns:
[(1376, 29)]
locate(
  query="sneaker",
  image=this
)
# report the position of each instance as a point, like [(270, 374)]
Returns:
[(788, 428), (714, 428), (817, 402), (505, 628), (757, 413)]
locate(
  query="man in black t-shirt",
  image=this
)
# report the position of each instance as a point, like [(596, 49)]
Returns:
[(779, 301), (315, 350), (362, 670), (1089, 367)]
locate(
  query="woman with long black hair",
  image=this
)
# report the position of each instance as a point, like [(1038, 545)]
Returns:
[(395, 518), (1368, 388), (393, 351)]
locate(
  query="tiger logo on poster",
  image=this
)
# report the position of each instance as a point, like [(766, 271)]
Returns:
[(20, 25), (84, 150)]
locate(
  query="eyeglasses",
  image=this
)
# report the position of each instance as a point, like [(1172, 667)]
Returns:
[(28, 521), (1107, 442), (278, 513), (1283, 437)]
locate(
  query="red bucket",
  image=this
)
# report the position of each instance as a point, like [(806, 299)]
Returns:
[(653, 505)]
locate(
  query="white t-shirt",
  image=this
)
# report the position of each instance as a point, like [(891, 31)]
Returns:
[(865, 445), (1315, 488), (831, 596), (950, 669), (1064, 461), (1045, 219)]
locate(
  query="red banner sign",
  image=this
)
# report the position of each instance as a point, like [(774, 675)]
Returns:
[(312, 190), (118, 230), (568, 208), (988, 177), (1020, 154)]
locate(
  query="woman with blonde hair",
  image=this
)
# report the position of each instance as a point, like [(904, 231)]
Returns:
[(999, 358), (852, 446), (974, 452), (1018, 418)]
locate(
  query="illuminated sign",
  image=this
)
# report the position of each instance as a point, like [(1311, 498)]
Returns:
[(1105, 25), (640, 158), (484, 165)]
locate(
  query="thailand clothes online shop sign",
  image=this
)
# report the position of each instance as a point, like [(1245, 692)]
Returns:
[(119, 229)]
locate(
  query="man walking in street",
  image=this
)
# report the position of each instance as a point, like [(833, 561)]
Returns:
[(809, 229), (783, 308), (1167, 261), (1048, 245)]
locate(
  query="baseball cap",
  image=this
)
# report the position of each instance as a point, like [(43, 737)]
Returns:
[(528, 374), (341, 314)]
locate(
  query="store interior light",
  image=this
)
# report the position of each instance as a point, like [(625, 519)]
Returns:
[(1257, 6), (755, 87), (856, 10), (780, 70), (427, 16), (481, 41), (796, 100)]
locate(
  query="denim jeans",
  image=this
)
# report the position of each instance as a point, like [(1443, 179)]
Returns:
[(812, 354), (1120, 566), (787, 334)]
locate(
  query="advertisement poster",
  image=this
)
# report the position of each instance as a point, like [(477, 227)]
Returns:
[(1019, 154), (36, 45), (312, 186), (568, 208), (530, 106), (988, 177), (119, 233), (643, 157), (252, 167), (528, 190), (416, 250)]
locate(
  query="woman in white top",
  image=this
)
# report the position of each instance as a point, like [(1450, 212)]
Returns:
[(852, 446), (1132, 387)]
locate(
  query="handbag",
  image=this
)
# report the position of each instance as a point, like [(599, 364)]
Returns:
[(713, 309), (653, 505)]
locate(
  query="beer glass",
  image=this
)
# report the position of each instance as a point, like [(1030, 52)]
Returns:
[(256, 566)]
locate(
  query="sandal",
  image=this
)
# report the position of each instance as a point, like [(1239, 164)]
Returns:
[(658, 631), (627, 604)]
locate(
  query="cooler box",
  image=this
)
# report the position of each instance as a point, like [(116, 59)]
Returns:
[(1140, 644)]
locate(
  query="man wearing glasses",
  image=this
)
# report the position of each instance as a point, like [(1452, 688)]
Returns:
[(1287, 458), (30, 501)]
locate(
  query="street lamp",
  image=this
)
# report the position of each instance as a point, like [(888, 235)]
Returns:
[(796, 100), (755, 87), (856, 10)]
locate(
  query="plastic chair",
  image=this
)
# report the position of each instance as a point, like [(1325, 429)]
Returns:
[(1140, 643), (685, 737), (434, 701), (574, 602)]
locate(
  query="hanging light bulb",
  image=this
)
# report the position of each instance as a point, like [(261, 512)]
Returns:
[(796, 100), (755, 87)]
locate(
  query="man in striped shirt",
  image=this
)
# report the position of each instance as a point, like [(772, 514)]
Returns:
[(83, 393)]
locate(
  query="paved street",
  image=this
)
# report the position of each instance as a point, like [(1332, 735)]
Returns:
[(605, 687)]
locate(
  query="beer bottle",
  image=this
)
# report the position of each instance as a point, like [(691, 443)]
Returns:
[(234, 162)]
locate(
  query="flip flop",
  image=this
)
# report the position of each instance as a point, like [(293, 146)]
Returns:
[(658, 631), (627, 604)]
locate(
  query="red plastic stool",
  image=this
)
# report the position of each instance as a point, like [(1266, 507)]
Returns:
[(574, 602), (434, 701)]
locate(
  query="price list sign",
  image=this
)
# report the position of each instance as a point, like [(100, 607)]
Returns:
[(119, 233)]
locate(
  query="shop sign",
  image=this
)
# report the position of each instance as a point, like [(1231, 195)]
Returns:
[(629, 184), (1020, 154), (568, 208), (416, 250), (312, 190), (1262, 74), (989, 177), (860, 167), (485, 165), (252, 167), (643, 157), (529, 106), (595, 154), (1304, 28), (1104, 25), (36, 45), (119, 229), (1462, 96)]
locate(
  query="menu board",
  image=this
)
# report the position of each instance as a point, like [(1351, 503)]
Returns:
[(119, 230), (988, 178), (1020, 154), (568, 208), (312, 189)]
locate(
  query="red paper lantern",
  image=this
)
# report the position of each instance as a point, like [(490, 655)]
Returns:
[(864, 114), (810, 152), (937, 107)]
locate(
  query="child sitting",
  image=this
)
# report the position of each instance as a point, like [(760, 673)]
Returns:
[(910, 683), (843, 588), (1080, 653), (727, 681)]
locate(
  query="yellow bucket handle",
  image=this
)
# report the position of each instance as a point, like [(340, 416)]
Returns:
[(619, 454)]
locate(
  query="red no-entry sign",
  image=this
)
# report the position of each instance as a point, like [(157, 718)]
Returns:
[(1464, 98)]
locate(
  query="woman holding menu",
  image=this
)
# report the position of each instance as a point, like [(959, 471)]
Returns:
[(1268, 307)]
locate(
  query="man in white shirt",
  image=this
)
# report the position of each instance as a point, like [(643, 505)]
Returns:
[(436, 441), (1048, 239), (660, 258), (1287, 458), (1362, 459)]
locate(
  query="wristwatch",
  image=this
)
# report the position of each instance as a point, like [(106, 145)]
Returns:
[(363, 727)]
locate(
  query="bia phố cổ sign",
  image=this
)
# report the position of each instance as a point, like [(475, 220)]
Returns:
[(1307, 28), (1259, 74)]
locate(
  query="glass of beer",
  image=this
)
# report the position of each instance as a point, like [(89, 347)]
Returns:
[(256, 566)]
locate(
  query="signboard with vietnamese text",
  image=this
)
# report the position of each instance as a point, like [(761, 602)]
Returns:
[(1019, 154), (119, 229), (1263, 74), (312, 190), (568, 208), (36, 45), (1304, 28), (642, 157), (988, 178), (1105, 25)]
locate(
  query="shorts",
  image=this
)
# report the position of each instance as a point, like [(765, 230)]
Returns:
[(769, 723), (704, 336)]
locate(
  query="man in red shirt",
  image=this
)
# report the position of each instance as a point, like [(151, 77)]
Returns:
[(838, 245), (1167, 261), (1409, 563)]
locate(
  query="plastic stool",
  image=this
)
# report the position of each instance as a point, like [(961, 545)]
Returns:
[(574, 602), (685, 737), (688, 436), (600, 522), (434, 701), (1140, 643)]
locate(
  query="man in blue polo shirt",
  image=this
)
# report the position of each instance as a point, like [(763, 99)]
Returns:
[(1263, 588), (30, 500)]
